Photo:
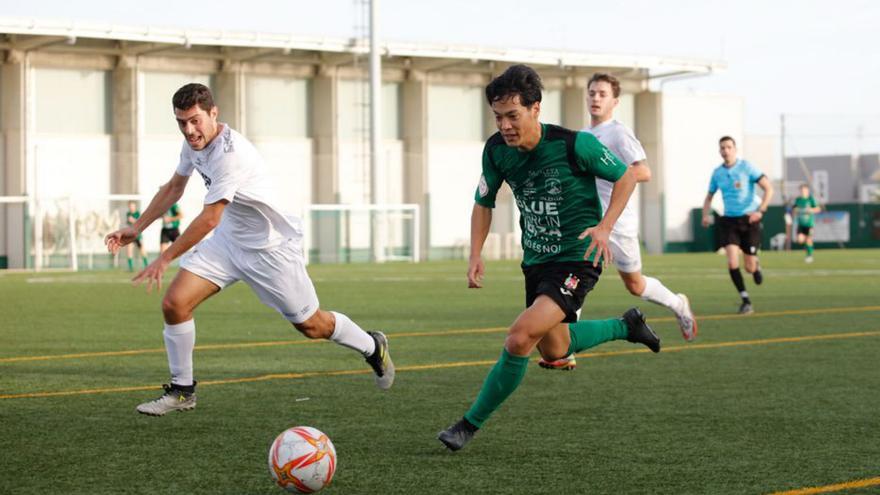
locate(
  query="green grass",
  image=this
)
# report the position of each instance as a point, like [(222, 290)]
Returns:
[(756, 418)]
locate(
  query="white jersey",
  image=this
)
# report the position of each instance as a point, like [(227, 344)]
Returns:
[(623, 143), (233, 170)]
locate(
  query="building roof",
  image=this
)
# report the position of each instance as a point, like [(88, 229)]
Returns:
[(41, 34)]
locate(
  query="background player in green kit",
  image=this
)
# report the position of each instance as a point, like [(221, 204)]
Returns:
[(552, 172), (170, 227), (805, 208), (130, 218)]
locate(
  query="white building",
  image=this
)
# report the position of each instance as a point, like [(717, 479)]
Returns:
[(85, 112)]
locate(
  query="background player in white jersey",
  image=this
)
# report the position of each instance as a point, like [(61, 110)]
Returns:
[(603, 96), (253, 241)]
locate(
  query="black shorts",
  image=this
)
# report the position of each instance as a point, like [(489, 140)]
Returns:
[(566, 282), (137, 242), (807, 231), (169, 235), (738, 230)]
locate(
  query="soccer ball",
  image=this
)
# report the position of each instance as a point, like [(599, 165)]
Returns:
[(302, 460)]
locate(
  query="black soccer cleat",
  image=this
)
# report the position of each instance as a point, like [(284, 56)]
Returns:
[(458, 435), (758, 276), (639, 331)]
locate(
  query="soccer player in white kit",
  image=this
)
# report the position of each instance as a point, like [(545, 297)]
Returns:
[(253, 241), (603, 96)]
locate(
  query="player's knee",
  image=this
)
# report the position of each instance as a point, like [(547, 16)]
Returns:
[(518, 342), (174, 309)]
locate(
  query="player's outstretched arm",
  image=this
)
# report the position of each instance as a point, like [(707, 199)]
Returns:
[(168, 194), (204, 223), (481, 221), (599, 234)]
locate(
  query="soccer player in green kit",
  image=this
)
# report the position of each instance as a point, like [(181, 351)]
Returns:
[(130, 218), (552, 172), (805, 208)]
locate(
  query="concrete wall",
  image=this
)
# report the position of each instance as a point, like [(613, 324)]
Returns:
[(293, 113)]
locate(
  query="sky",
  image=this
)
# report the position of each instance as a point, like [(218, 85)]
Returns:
[(783, 56)]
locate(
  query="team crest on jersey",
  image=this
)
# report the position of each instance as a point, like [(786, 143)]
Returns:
[(737, 184), (553, 186), (483, 187), (571, 282)]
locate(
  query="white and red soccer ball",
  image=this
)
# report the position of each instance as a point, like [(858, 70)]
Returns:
[(302, 460)]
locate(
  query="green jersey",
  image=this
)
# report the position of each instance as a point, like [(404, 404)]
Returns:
[(805, 216), (172, 212), (131, 217), (554, 185)]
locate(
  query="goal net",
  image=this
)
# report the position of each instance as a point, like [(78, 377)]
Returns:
[(336, 233), (63, 233)]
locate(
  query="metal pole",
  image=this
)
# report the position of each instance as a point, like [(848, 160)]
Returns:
[(375, 120)]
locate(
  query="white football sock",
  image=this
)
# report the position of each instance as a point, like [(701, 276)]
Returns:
[(348, 334), (180, 339), (657, 293)]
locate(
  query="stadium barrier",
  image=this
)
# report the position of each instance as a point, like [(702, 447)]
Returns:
[(850, 225)]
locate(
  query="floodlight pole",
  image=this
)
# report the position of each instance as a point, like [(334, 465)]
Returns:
[(375, 123)]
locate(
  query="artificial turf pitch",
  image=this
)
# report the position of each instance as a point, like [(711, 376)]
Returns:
[(780, 400)]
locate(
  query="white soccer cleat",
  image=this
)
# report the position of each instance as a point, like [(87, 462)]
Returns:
[(808, 259), (173, 399), (687, 322)]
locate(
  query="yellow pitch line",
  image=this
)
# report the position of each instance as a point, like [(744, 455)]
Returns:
[(789, 312), (847, 485), (245, 345), (238, 345), (459, 364), (437, 333)]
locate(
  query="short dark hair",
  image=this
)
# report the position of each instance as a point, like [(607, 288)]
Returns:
[(193, 94), (805, 185), (519, 80), (605, 77), (727, 138)]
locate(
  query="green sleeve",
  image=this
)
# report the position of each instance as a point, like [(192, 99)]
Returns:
[(490, 181), (813, 202), (594, 158)]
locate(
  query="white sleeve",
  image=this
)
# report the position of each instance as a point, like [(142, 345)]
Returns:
[(630, 149), (185, 166), (225, 184)]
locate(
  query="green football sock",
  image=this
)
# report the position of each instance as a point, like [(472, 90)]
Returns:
[(130, 264), (809, 250), (145, 261), (590, 333), (502, 380)]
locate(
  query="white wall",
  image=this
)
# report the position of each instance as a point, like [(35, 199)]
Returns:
[(157, 160), (692, 125), (454, 168), (763, 150)]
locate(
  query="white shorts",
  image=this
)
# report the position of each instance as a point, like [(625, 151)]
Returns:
[(626, 252), (277, 276)]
